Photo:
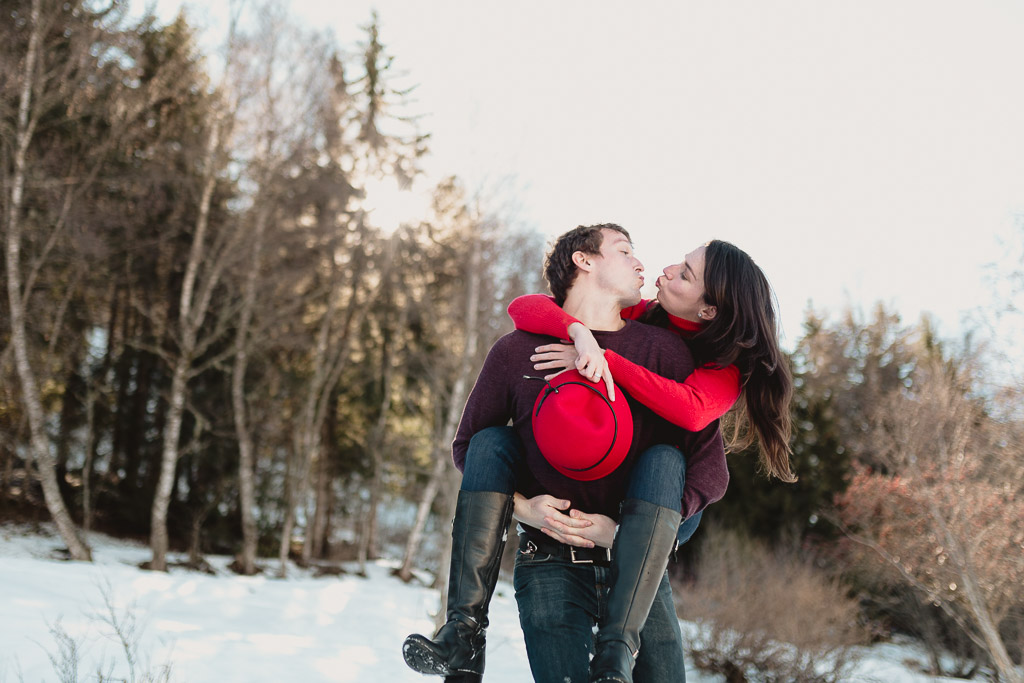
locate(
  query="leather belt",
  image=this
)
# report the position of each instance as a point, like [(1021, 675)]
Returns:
[(531, 543)]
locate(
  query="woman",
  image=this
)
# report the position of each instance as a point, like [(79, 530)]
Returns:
[(720, 301)]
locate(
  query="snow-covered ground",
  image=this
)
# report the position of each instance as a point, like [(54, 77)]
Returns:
[(254, 629)]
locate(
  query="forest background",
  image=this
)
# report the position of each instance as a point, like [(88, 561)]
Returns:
[(208, 342)]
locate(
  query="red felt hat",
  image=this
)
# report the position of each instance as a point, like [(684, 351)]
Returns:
[(579, 431)]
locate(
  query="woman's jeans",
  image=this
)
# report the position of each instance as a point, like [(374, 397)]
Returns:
[(658, 477), (494, 461), (560, 602)]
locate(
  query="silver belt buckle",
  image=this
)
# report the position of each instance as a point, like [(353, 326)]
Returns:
[(572, 556)]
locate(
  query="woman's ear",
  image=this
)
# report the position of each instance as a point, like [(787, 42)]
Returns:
[(708, 312)]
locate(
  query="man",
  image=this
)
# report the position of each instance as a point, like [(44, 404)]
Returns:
[(561, 598)]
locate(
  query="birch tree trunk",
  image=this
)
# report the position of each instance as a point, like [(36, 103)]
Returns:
[(368, 530), (323, 503), (457, 399), (40, 448), (307, 437), (246, 447), (190, 315), (392, 331), (289, 515), (90, 454), (327, 367)]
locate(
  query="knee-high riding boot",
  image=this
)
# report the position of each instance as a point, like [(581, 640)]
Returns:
[(478, 539), (646, 535)]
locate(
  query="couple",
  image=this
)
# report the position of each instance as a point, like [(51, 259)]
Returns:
[(606, 566)]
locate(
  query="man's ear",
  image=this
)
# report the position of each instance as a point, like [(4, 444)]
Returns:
[(581, 260)]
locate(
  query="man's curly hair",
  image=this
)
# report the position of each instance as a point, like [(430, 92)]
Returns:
[(559, 270)]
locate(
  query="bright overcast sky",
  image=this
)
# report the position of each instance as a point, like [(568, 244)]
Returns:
[(860, 151)]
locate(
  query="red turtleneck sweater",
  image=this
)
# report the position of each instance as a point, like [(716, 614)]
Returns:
[(706, 394)]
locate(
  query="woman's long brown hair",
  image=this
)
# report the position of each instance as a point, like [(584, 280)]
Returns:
[(744, 333)]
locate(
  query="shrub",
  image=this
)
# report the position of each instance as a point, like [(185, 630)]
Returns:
[(768, 616)]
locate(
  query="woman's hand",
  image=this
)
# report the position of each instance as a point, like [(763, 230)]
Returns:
[(545, 512), (597, 530), (581, 529), (590, 360)]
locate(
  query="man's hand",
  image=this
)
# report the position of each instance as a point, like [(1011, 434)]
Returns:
[(560, 357), (585, 355)]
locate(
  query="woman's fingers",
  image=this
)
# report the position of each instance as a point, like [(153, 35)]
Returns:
[(569, 539)]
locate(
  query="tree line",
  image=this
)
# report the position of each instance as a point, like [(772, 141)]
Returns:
[(204, 330), (206, 340)]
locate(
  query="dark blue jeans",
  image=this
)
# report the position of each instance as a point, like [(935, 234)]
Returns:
[(494, 461), (658, 477), (560, 602)]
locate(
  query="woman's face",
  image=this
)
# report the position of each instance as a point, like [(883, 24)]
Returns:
[(681, 288)]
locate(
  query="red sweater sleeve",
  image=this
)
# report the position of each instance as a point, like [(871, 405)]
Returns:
[(538, 313), (705, 396)]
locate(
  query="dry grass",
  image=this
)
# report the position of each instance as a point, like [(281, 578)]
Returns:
[(766, 616)]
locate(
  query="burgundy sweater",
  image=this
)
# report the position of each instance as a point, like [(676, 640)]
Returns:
[(502, 394), (707, 394)]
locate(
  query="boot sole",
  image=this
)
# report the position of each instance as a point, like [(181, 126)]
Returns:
[(421, 657)]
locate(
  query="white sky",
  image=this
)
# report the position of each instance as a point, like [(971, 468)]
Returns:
[(860, 151)]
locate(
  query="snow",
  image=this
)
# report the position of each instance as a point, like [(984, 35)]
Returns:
[(226, 627)]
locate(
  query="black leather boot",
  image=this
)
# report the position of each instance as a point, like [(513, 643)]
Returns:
[(478, 539), (646, 536)]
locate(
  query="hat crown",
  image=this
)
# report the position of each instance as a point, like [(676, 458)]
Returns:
[(578, 429)]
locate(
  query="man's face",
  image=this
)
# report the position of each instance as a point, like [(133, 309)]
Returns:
[(617, 270)]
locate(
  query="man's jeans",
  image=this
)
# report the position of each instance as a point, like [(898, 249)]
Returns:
[(559, 602)]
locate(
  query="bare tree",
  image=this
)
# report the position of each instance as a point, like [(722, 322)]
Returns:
[(948, 515), (27, 120), (497, 260), (395, 307), (464, 366), (211, 253), (274, 131), (344, 305), (354, 148)]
